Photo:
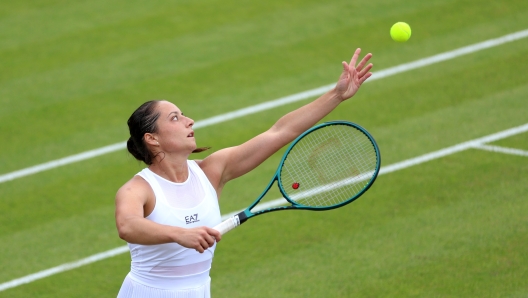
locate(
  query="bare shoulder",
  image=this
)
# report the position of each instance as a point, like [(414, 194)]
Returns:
[(135, 189), (214, 166), (134, 199)]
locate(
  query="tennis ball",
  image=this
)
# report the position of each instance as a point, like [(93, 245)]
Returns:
[(400, 32)]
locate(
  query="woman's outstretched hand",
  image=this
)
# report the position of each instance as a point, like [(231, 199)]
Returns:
[(353, 76)]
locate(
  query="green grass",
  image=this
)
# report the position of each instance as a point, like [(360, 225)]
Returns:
[(404, 238), (73, 72)]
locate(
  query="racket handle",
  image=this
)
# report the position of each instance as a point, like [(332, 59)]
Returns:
[(228, 224)]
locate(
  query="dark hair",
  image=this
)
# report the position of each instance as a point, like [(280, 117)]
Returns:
[(143, 121)]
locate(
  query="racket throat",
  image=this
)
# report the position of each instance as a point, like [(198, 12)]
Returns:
[(242, 217)]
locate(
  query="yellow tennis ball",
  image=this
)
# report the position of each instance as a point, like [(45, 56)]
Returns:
[(400, 32)]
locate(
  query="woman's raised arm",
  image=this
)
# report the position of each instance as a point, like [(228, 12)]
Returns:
[(230, 163)]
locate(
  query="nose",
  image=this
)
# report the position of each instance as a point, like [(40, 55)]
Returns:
[(191, 121)]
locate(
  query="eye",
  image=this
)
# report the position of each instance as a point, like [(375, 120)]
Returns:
[(175, 118)]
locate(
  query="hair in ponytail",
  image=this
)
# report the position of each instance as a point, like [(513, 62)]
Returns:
[(143, 121)]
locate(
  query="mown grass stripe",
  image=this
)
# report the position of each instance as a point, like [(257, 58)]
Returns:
[(275, 103), (384, 170)]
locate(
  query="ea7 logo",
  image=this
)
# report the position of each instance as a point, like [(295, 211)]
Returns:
[(191, 219)]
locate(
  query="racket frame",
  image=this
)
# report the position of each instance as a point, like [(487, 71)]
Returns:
[(244, 215)]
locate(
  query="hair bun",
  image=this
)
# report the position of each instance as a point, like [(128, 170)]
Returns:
[(133, 149)]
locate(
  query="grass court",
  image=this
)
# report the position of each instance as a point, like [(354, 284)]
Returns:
[(72, 72)]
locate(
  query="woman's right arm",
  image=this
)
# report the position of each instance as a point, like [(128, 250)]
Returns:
[(133, 227)]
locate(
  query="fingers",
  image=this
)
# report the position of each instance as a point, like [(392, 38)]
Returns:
[(355, 57), (204, 245), (365, 77), (360, 68), (345, 67), (364, 61), (206, 238), (217, 236), (200, 248), (365, 70)]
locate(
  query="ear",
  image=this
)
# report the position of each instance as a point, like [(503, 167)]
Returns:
[(151, 139)]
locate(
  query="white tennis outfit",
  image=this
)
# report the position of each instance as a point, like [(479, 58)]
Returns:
[(171, 270)]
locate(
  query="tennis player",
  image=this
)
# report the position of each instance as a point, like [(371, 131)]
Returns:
[(166, 212)]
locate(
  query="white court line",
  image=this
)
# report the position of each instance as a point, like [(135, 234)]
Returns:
[(277, 202), (502, 150), (277, 102), (64, 267)]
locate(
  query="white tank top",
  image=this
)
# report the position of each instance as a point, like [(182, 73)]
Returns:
[(170, 265)]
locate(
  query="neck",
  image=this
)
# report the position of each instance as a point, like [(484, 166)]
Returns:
[(172, 171)]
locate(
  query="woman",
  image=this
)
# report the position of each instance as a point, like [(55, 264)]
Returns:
[(167, 211)]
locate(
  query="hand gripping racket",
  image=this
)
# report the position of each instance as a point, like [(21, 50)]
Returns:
[(326, 167)]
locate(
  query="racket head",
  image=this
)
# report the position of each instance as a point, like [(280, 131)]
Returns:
[(328, 166)]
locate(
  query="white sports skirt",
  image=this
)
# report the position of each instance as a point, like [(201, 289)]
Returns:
[(134, 289)]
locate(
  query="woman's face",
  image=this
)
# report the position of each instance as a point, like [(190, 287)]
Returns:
[(175, 133)]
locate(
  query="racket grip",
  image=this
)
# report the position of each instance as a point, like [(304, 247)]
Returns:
[(228, 224)]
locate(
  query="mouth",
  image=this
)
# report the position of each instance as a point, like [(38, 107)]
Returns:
[(191, 135)]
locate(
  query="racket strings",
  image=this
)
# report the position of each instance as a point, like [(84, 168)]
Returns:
[(329, 166), (352, 172), (306, 168)]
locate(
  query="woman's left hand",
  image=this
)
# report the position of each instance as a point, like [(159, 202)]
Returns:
[(353, 76)]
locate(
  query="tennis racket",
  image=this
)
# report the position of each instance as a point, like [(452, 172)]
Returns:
[(326, 167)]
